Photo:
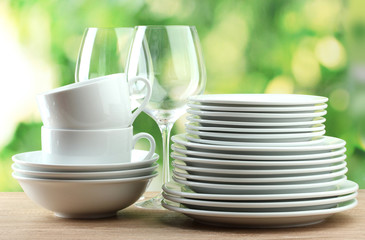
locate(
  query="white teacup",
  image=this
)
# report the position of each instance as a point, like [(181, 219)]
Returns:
[(105, 146), (100, 103)]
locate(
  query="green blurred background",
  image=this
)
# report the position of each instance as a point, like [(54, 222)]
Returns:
[(273, 46)]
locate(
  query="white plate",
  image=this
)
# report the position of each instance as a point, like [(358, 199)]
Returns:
[(182, 149), (198, 127), (237, 164), (197, 139), (328, 143), (260, 99), (268, 172), (222, 108), (140, 172), (226, 123), (321, 177), (275, 206), (345, 187), (33, 161), (258, 116), (214, 188), (259, 137), (262, 219)]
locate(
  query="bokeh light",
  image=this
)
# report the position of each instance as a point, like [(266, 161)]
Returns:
[(306, 68), (339, 99), (280, 84), (330, 53)]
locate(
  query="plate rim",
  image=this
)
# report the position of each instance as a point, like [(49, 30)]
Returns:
[(313, 99), (182, 140), (196, 118), (258, 157), (341, 188), (350, 204)]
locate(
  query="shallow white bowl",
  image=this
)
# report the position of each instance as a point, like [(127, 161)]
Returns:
[(84, 198), (34, 161), (140, 172)]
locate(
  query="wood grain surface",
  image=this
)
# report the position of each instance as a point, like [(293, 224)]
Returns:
[(20, 218)]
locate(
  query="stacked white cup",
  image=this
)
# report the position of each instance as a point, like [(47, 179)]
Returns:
[(91, 122), (88, 149)]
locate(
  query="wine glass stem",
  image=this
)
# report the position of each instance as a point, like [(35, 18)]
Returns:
[(165, 132)]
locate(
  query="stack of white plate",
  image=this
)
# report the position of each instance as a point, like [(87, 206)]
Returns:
[(87, 190), (258, 160)]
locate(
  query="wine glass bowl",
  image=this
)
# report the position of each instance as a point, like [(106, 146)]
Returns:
[(103, 51)]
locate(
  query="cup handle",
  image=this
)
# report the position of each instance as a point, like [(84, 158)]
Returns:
[(146, 98), (150, 139)]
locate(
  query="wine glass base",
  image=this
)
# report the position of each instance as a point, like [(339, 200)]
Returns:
[(152, 203)]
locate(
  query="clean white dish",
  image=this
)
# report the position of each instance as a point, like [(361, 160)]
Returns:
[(84, 198), (34, 161), (275, 206), (343, 188), (328, 143), (214, 188), (198, 127), (226, 123), (100, 103), (223, 108), (237, 164), (259, 171), (260, 99), (261, 219), (140, 172), (259, 137), (277, 157), (261, 117), (321, 177), (70, 146), (197, 139)]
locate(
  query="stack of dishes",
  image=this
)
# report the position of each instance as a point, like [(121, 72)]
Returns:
[(258, 160), (84, 190)]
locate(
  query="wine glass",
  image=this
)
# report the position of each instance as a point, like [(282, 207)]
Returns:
[(103, 51), (170, 57)]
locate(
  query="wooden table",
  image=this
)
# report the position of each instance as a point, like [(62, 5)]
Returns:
[(20, 218)]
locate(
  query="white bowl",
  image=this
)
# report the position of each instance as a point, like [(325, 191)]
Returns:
[(140, 172), (34, 161), (84, 198)]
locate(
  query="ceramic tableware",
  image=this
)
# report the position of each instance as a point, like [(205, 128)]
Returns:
[(259, 99), (244, 164), (274, 156), (328, 143), (220, 188), (102, 146), (198, 127), (241, 123), (258, 172), (253, 179), (267, 109), (232, 142), (100, 103), (260, 219), (140, 172), (259, 137), (84, 198), (267, 206), (33, 161), (181, 190)]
